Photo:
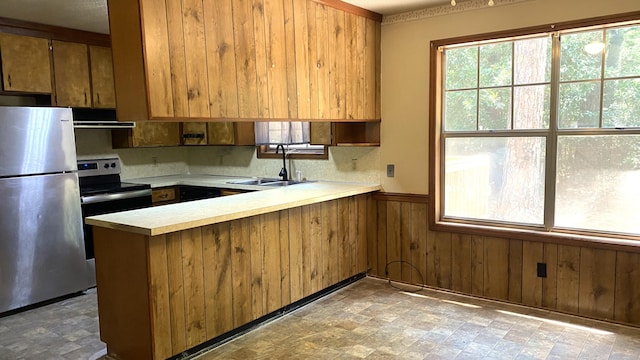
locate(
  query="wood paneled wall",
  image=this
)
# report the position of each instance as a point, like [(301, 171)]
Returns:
[(593, 282), (206, 281)]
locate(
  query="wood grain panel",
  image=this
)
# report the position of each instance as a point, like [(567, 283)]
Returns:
[(323, 62), (218, 286), (393, 241), (315, 246), (262, 61), (496, 268), (382, 238), (196, 58), (271, 262), (461, 263), (285, 257), (296, 263), (627, 293), (477, 265), (193, 278), (373, 224), (257, 303), (199, 129), (159, 297), (303, 68), (406, 252), (533, 253), (442, 259), (221, 59), (568, 278), (290, 53), (245, 50), (362, 210), (276, 58), (221, 133), (344, 239), (157, 58), (177, 58), (176, 295), (71, 72), (337, 63), (597, 281), (370, 46), (241, 271), (314, 63), (515, 270), (308, 274), (550, 283), (354, 30)]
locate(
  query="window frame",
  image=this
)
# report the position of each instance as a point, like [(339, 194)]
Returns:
[(436, 145), (268, 152)]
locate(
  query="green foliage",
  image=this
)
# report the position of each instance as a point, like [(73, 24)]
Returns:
[(496, 64), (461, 68)]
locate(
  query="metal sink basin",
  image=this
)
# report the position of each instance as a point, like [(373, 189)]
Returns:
[(264, 182), (259, 181)]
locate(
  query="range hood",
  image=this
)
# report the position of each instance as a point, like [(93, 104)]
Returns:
[(98, 119)]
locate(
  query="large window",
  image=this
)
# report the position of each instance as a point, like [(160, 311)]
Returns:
[(541, 131)]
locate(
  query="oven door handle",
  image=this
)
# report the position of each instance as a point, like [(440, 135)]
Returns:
[(92, 199)]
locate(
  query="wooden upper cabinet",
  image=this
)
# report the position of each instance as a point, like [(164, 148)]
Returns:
[(147, 134), (102, 88), (232, 60), (25, 64), (71, 71)]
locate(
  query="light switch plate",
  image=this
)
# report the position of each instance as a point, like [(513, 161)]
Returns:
[(391, 169)]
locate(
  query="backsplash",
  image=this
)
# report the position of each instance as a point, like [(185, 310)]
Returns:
[(355, 164)]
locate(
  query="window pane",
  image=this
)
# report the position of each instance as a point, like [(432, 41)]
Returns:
[(461, 68), (531, 107), (623, 47), (621, 107), (575, 62), (495, 109), (579, 105), (532, 58), (460, 110), (598, 183), (495, 64), (500, 179)]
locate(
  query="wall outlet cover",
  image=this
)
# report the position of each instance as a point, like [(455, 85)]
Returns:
[(542, 270), (391, 169)]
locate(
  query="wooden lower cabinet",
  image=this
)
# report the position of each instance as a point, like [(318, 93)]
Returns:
[(161, 295)]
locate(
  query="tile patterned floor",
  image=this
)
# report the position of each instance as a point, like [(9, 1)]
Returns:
[(370, 320), (65, 330), (366, 320)]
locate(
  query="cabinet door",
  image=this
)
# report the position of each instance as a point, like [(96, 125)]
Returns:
[(147, 134), (71, 71), (25, 64), (103, 94), (320, 133), (221, 133), (194, 133)]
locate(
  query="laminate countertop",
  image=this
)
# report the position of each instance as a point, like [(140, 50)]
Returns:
[(164, 219)]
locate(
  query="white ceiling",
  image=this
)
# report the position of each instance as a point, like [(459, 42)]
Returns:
[(91, 15)]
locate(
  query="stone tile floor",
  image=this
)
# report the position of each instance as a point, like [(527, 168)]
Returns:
[(367, 319)]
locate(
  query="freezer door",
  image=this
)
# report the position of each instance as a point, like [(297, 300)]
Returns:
[(36, 140), (41, 245)]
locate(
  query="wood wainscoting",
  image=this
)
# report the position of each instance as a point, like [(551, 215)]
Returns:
[(586, 280)]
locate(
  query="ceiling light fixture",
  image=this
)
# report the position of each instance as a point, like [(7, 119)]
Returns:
[(453, 2), (491, 3)]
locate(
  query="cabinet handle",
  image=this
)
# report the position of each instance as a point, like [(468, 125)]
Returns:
[(85, 98), (163, 196), (193, 136), (9, 76), (98, 98)]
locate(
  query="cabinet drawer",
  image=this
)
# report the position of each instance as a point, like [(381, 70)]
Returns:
[(162, 195)]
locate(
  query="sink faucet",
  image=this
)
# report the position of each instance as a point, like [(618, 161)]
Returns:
[(283, 171)]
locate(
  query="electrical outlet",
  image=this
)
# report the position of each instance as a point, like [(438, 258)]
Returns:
[(154, 161), (391, 170), (542, 270)]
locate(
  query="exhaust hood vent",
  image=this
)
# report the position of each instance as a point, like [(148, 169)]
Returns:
[(98, 119)]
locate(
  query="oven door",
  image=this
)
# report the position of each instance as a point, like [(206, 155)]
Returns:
[(99, 204)]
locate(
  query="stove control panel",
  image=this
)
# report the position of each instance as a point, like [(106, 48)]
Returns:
[(96, 167)]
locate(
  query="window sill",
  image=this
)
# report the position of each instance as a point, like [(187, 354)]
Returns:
[(629, 244)]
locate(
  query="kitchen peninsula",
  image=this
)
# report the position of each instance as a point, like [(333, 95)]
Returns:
[(173, 277)]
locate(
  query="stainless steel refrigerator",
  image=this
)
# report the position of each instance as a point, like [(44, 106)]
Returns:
[(41, 241)]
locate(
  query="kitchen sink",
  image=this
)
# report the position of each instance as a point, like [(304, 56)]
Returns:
[(264, 182)]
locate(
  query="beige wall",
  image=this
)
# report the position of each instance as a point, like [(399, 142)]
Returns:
[(405, 72)]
